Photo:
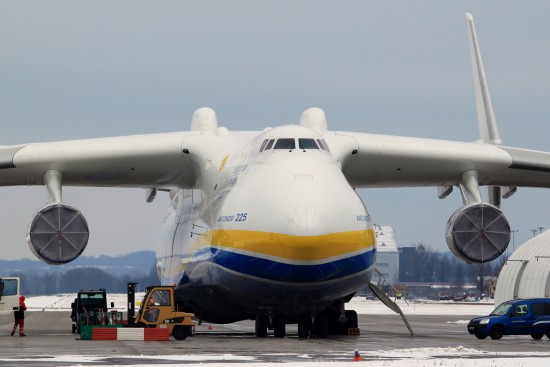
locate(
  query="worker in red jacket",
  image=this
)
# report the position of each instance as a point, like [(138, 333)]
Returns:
[(19, 316)]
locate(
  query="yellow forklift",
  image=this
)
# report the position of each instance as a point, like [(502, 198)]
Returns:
[(158, 309)]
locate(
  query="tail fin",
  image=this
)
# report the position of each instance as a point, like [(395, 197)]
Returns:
[(488, 129)]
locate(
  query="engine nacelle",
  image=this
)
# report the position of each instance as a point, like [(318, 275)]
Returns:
[(478, 233), (58, 234)]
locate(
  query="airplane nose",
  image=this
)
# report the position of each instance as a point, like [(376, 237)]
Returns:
[(305, 221)]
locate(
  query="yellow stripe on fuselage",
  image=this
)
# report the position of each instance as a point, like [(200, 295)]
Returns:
[(300, 248)]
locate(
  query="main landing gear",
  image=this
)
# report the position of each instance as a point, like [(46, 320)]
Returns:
[(277, 325), (328, 322)]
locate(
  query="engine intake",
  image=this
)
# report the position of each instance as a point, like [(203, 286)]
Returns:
[(58, 234), (478, 233)]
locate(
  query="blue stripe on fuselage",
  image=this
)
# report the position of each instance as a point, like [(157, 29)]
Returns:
[(283, 272)]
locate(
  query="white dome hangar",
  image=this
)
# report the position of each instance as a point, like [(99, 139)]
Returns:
[(526, 274)]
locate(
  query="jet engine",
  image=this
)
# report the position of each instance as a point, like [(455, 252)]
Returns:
[(478, 233), (58, 234)]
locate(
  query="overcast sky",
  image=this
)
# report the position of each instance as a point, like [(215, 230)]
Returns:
[(81, 69)]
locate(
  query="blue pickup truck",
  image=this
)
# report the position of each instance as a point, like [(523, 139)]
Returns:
[(515, 317)]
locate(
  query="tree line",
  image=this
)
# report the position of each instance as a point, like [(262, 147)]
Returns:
[(430, 266), (423, 265), (35, 283)]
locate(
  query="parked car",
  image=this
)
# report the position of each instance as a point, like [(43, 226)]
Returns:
[(515, 317)]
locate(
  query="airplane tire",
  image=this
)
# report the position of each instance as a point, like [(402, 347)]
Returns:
[(321, 325), (304, 325), (279, 326), (261, 326), (537, 336)]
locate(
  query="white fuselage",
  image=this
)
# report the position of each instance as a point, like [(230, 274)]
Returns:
[(276, 228)]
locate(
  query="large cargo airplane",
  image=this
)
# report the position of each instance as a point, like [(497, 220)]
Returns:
[(267, 225)]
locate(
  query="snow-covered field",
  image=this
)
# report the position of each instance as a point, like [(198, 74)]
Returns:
[(418, 357), (62, 302)]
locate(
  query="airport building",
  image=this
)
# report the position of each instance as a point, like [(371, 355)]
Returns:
[(526, 273), (387, 257)]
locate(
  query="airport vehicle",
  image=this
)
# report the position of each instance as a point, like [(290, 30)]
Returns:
[(88, 304), (515, 317), (9, 295), (267, 225), (158, 309)]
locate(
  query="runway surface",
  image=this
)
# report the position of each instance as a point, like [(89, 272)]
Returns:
[(49, 342)]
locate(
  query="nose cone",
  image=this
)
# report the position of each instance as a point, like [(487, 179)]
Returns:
[(305, 221)]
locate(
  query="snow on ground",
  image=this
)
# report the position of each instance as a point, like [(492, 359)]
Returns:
[(375, 307), (418, 357), (62, 302)]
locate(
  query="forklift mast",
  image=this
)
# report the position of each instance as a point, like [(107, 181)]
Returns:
[(131, 294)]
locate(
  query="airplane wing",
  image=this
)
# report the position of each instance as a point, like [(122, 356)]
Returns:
[(148, 161), (390, 161)]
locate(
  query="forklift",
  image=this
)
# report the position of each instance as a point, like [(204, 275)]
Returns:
[(158, 309), (87, 308)]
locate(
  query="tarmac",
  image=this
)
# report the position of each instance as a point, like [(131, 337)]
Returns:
[(50, 342)]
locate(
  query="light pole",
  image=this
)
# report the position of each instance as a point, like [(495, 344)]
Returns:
[(537, 230), (514, 231)]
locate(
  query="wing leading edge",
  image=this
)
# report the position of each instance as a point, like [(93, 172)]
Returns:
[(390, 161), (153, 160)]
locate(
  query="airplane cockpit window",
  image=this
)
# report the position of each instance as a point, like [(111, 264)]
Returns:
[(263, 145), (286, 143), (290, 144), (269, 144), (323, 144), (307, 144)]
